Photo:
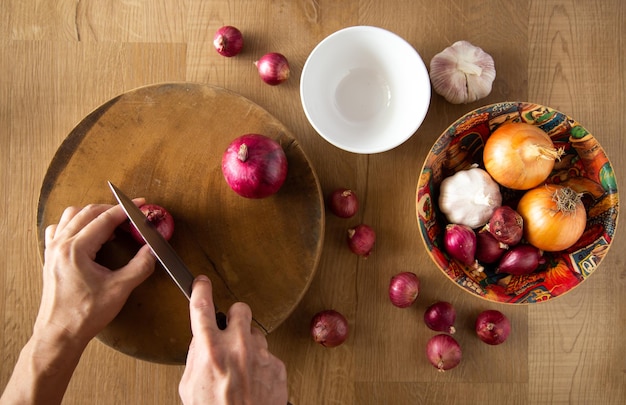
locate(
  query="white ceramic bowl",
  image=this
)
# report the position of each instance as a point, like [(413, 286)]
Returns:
[(365, 89)]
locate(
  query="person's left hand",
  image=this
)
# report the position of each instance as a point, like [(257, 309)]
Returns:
[(80, 297)]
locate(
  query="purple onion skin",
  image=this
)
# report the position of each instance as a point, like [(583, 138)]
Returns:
[(228, 41), (443, 352), (361, 240), (440, 317), (492, 327), (521, 259), (273, 68), (488, 249), (261, 173), (506, 225), (460, 243), (329, 328), (403, 289)]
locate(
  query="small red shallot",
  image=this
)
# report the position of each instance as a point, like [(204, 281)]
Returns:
[(521, 259), (488, 249), (159, 217), (361, 240), (460, 243), (492, 327), (273, 68), (329, 328), (343, 203), (440, 317), (443, 352), (403, 289), (506, 225), (228, 41)]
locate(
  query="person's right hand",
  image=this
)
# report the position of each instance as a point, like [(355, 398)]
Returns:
[(230, 366)]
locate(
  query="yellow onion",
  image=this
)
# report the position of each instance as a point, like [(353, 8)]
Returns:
[(520, 156)]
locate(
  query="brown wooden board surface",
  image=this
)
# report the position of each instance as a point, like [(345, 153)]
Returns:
[(165, 143)]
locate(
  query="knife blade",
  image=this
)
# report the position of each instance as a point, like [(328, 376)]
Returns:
[(164, 252)]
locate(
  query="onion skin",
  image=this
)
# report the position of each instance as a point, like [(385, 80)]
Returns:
[(554, 217), (492, 327), (403, 289), (343, 203), (519, 156), (460, 243), (159, 217), (440, 317), (443, 352), (506, 225), (361, 240), (488, 249), (254, 166), (521, 259), (329, 328), (273, 68), (228, 41)]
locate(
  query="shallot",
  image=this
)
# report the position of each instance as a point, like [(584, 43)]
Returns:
[(460, 243), (506, 225), (440, 317), (521, 259), (273, 68), (361, 240), (228, 41), (329, 328), (492, 327), (488, 249), (159, 217), (343, 203), (403, 289), (443, 352)]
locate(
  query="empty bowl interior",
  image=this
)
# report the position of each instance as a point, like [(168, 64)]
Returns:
[(365, 89)]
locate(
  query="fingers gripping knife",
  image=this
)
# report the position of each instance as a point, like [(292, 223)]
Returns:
[(164, 252)]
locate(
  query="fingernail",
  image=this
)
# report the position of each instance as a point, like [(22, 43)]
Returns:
[(202, 277)]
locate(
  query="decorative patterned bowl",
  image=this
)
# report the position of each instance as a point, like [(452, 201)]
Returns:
[(585, 167)]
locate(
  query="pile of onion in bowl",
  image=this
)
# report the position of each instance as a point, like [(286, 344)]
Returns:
[(582, 166)]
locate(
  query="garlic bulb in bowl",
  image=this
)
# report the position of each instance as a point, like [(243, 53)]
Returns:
[(462, 73)]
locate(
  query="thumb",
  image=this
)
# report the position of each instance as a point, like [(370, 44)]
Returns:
[(138, 269)]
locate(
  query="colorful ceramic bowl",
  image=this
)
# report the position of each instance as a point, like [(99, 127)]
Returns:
[(585, 167)]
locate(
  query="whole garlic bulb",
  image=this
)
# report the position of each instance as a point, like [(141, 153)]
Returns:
[(462, 73)]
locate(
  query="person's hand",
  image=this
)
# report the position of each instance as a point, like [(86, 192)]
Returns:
[(230, 366), (80, 297)]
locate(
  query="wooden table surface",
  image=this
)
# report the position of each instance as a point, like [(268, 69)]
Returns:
[(61, 60)]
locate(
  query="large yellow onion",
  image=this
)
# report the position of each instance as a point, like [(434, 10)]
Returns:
[(519, 156), (554, 217)]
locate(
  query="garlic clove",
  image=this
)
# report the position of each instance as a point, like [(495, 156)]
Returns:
[(462, 73)]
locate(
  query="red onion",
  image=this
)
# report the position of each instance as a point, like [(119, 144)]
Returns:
[(329, 328), (273, 68), (228, 41), (403, 289), (343, 203), (443, 352), (361, 240), (159, 218), (521, 259), (488, 249), (506, 225), (460, 243), (440, 317), (254, 166), (493, 327)]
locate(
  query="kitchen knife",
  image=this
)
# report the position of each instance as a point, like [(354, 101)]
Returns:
[(164, 252)]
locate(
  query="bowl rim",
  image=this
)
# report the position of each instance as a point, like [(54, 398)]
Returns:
[(419, 116)]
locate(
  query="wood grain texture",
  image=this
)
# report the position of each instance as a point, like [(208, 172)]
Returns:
[(60, 60)]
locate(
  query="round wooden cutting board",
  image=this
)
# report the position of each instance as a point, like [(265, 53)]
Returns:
[(165, 142)]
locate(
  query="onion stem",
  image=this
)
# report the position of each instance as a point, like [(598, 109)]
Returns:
[(547, 152), (242, 154)]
